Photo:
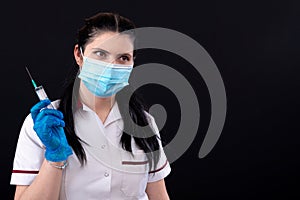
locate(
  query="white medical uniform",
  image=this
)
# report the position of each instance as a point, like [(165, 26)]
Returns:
[(109, 174)]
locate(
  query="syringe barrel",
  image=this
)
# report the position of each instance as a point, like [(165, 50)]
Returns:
[(42, 95)]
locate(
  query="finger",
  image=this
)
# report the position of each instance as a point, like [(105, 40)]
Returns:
[(52, 112), (47, 136), (48, 120), (55, 123), (42, 131), (37, 107)]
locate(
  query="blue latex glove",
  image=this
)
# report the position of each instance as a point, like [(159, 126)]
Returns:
[(48, 124)]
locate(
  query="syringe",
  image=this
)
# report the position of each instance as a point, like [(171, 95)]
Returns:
[(39, 90)]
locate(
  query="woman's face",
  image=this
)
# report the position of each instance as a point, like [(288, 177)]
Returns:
[(109, 47)]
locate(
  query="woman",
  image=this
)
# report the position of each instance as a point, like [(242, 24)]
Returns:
[(87, 148)]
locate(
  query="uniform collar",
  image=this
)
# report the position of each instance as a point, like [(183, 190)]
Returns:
[(113, 115)]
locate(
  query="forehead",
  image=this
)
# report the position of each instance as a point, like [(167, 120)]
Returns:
[(112, 42)]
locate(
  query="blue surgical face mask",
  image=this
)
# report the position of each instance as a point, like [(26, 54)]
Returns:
[(104, 79)]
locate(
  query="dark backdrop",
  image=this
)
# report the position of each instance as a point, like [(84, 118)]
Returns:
[(255, 46)]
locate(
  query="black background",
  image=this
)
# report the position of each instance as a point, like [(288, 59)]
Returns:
[(253, 43)]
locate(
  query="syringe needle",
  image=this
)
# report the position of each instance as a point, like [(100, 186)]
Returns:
[(39, 90), (28, 73), (34, 85)]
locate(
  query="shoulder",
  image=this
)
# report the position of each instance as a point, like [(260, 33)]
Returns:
[(27, 134), (149, 116), (152, 123)]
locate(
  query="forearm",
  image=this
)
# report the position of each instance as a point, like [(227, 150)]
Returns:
[(159, 197), (157, 190), (45, 186)]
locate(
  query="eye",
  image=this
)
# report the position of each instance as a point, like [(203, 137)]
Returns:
[(124, 58), (101, 54)]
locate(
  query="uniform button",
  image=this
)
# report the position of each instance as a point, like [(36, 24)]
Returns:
[(103, 146), (106, 174)]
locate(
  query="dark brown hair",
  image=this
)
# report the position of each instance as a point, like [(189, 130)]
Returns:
[(96, 24)]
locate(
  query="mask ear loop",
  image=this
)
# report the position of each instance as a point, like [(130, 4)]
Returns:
[(80, 49), (83, 57)]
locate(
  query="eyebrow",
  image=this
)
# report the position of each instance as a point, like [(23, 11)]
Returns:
[(119, 54)]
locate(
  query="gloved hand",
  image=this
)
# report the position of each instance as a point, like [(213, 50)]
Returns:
[(48, 124)]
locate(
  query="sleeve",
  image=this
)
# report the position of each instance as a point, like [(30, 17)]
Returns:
[(29, 155), (163, 168)]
